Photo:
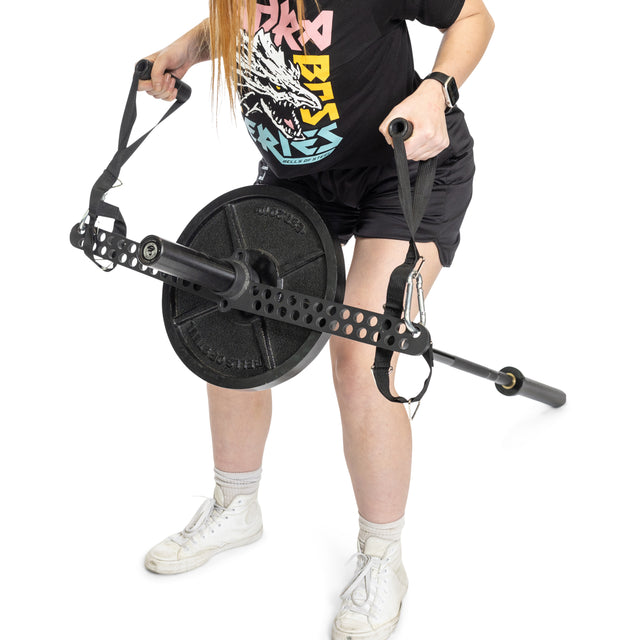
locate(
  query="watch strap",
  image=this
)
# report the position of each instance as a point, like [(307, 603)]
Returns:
[(448, 84)]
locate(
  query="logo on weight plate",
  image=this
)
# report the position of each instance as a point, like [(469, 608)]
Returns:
[(284, 216), (218, 357)]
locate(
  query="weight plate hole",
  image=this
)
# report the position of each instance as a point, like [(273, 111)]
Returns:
[(134, 262), (282, 312), (308, 318), (266, 294), (102, 237), (347, 329), (334, 325), (293, 301), (123, 258), (390, 340), (320, 322), (362, 333), (255, 291), (317, 307), (257, 305), (386, 324), (345, 314), (358, 318), (376, 336), (331, 310), (295, 314), (103, 251), (132, 247), (373, 321), (269, 308), (305, 303), (404, 344), (401, 328)]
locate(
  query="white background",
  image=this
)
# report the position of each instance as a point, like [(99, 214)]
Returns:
[(522, 521)]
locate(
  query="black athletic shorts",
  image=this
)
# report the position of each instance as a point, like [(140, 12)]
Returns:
[(364, 202)]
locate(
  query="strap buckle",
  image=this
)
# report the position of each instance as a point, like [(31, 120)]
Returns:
[(417, 277)]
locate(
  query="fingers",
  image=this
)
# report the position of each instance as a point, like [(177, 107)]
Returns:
[(426, 141), (162, 85), (423, 145)]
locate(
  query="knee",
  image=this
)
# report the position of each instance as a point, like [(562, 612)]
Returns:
[(351, 364)]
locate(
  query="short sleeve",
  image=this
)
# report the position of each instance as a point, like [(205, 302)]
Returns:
[(434, 13)]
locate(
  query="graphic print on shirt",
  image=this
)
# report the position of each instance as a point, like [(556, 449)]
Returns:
[(286, 98)]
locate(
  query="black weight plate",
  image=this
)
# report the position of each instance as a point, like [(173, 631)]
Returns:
[(284, 240)]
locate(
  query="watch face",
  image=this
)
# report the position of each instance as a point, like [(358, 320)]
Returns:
[(452, 90)]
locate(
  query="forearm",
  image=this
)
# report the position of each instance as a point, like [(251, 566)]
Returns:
[(464, 44), (199, 42)]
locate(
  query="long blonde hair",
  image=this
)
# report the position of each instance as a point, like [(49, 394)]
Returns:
[(227, 19)]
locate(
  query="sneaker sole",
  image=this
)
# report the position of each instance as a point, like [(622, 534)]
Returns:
[(165, 567), (381, 633)]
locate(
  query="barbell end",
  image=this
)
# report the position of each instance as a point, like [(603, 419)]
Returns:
[(519, 385)]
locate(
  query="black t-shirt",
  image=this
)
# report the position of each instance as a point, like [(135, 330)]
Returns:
[(321, 109)]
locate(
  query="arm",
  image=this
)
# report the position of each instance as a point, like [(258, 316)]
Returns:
[(462, 47), (177, 58)]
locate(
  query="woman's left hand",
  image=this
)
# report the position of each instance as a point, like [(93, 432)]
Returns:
[(425, 110)]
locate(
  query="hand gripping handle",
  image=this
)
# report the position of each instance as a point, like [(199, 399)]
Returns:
[(143, 69)]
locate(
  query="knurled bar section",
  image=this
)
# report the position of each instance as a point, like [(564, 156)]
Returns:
[(292, 307)]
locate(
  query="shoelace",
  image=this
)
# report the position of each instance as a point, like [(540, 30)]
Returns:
[(208, 512), (360, 595)]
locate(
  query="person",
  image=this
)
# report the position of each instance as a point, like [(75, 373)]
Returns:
[(318, 84)]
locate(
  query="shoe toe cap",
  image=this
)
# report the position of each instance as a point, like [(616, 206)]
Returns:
[(352, 623), (166, 551)]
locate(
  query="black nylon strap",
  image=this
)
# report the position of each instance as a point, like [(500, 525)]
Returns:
[(413, 210), (97, 206)]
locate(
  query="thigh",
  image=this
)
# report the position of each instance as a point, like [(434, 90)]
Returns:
[(373, 261)]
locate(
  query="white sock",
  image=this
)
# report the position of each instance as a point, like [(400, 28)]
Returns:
[(237, 484), (390, 531)]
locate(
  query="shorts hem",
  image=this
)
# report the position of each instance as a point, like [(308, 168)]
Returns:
[(446, 257)]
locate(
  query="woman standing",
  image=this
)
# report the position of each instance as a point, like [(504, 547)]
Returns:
[(318, 85)]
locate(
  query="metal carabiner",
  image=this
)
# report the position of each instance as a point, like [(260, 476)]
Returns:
[(414, 275)]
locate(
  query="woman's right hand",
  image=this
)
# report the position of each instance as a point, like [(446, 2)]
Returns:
[(173, 62)]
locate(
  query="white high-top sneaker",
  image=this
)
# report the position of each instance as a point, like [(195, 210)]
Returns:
[(371, 603), (211, 530)]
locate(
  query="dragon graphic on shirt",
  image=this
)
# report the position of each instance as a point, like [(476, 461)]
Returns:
[(270, 84)]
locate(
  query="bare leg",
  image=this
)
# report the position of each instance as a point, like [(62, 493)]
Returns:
[(376, 432), (239, 426)]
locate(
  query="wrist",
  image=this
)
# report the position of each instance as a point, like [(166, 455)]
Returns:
[(431, 92)]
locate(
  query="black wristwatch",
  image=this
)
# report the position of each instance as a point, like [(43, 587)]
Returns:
[(449, 86)]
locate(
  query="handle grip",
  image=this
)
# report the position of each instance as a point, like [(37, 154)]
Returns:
[(143, 69), (400, 127)]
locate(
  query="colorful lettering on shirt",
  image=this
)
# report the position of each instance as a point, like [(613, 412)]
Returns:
[(287, 99)]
